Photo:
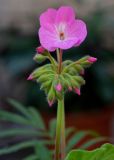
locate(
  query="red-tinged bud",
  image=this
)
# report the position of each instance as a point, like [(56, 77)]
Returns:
[(82, 72), (77, 90), (92, 59), (58, 87), (50, 103), (70, 88), (30, 78), (40, 50)]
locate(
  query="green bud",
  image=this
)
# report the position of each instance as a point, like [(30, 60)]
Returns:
[(40, 70), (37, 73), (51, 94), (79, 79), (46, 85), (39, 58), (72, 71), (67, 62), (45, 77), (86, 64), (78, 68), (71, 80), (83, 59), (65, 83)]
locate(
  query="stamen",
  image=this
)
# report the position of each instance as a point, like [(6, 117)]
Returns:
[(62, 36)]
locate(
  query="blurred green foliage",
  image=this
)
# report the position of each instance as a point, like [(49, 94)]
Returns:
[(106, 151), (26, 129)]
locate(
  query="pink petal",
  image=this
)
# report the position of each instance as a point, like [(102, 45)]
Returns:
[(92, 59), (77, 29), (47, 38), (48, 17), (65, 14), (66, 44)]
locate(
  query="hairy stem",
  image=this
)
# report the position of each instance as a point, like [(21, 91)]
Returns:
[(60, 132), (63, 143), (52, 60)]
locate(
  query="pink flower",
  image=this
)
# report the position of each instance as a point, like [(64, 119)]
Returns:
[(40, 50), (60, 29), (92, 59), (58, 87), (77, 90)]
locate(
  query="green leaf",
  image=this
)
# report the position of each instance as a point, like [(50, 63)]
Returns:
[(21, 132), (52, 128), (69, 131), (17, 147), (19, 107), (92, 142), (36, 118), (11, 117), (75, 139), (42, 152), (105, 152)]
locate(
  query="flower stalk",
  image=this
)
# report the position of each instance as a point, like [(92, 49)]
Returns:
[(60, 127), (60, 132), (63, 142), (52, 60), (59, 59)]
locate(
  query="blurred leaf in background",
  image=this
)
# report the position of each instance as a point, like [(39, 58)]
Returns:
[(25, 130)]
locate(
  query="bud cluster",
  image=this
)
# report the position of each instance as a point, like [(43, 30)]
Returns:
[(56, 85)]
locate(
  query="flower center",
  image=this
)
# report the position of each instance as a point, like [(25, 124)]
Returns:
[(62, 36)]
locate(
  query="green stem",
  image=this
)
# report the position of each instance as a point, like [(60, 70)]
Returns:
[(63, 143), (52, 60), (60, 132)]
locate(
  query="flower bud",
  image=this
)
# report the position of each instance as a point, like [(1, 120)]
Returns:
[(82, 72), (92, 59), (50, 103), (30, 77), (40, 50), (58, 87), (51, 96), (39, 58), (70, 88), (77, 90)]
